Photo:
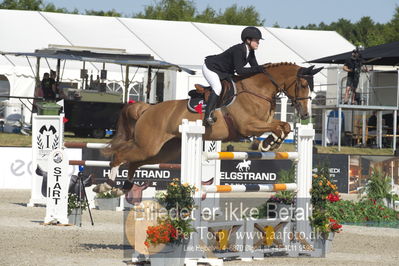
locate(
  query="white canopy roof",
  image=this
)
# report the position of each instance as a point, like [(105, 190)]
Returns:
[(183, 43)]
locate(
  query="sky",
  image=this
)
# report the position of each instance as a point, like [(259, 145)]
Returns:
[(287, 13)]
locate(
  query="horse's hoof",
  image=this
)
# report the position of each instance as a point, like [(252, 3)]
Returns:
[(101, 188), (262, 148)]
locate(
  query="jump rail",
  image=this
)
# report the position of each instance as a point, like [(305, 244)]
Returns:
[(166, 166), (251, 155), (90, 145), (250, 188)]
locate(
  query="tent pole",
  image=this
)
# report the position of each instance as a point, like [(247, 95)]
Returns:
[(364, 125), (395, 126), (324, 128), (127, 84), (37, 72), (339, 127), (58, 70), (149, 84)]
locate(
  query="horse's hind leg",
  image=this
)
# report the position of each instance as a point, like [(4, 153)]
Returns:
[(132, 153), (169, 152)]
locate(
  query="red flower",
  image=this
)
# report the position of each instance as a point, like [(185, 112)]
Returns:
[(332, 198), (131, 101)]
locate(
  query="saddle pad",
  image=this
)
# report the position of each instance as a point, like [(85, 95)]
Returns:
[(198, 98), (194, 101)]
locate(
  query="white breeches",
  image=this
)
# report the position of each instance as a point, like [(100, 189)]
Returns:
[(213, 79)]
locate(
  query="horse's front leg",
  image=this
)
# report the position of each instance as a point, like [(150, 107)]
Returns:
[(279, 131), (275, 141)]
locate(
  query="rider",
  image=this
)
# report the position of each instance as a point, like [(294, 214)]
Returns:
[(222, 66)]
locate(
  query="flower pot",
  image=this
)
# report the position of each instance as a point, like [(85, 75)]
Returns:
[(168, 254), (75, 217), (109, 204), (324, 242)]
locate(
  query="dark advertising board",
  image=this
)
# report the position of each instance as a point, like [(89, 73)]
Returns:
[(267, 172), (338, 167), (158, 178), (252, 172)]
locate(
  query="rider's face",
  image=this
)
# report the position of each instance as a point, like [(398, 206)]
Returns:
[(253, 44)]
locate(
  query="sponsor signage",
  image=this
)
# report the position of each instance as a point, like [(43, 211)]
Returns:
[(338, 168), (47, 135), (252, 171), (237, 172), (158, 178), (57, 188)]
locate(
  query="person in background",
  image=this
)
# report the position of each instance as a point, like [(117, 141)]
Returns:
[(53, 78), (353, 66), (48, 88)]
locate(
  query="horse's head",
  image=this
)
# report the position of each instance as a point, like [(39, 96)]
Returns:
[(299, 90)]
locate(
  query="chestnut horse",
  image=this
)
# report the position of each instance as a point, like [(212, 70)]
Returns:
[(149, 134)]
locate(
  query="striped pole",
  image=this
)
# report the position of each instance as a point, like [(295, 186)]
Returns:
[(250, 188), (90, 145), (251, 155), (165, 166)]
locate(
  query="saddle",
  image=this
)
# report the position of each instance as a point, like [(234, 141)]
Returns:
[(201, 94)]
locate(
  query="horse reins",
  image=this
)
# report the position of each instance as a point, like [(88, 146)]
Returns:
[(294, 100)]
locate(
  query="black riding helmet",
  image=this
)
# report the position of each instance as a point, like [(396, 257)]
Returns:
[(251, 33)]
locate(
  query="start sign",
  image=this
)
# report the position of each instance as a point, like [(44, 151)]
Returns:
[(57, 188)]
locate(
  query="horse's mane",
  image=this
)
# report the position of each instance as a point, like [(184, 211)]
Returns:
[(270, 65), (265, 66)]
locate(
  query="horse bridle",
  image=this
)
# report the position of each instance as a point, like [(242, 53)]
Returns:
[(294, 100)]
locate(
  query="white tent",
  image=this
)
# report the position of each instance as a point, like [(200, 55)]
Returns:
[(183, 43)]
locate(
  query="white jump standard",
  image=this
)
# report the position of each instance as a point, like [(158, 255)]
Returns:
[(192, 155)]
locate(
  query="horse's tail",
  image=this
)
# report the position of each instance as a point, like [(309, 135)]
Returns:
[(124, 136)]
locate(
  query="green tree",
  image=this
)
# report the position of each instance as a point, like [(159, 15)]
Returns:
[(110, 13), (22, 4), (182, 10), (391, 29), (235, 15), (35, 5), (52, 8), (185, 10)]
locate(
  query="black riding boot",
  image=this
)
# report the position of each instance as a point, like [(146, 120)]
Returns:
[(209, 119)]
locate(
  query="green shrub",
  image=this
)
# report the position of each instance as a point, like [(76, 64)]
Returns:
[(107, 195), (378, 186), (366, 210), (74, 203)]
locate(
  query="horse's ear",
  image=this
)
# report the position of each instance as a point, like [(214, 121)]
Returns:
[(307, 70), (317, 70)]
